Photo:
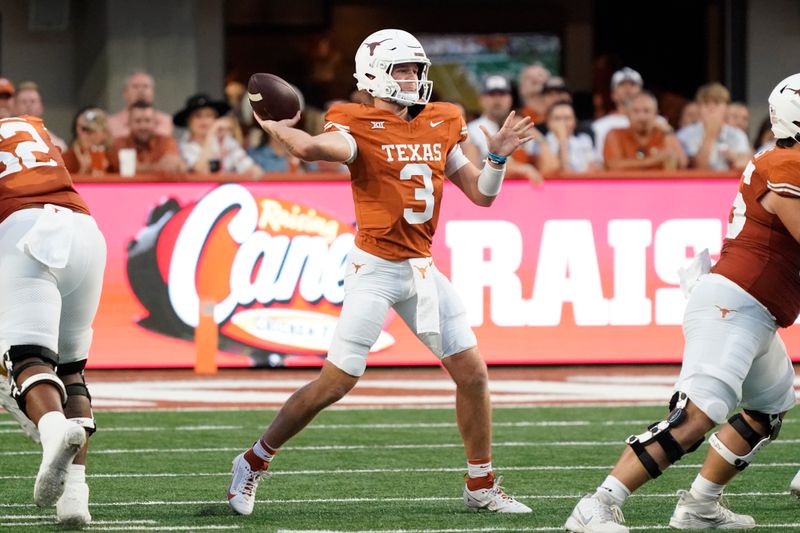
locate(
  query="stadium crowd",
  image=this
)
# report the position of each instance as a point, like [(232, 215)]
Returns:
[(208, 135)]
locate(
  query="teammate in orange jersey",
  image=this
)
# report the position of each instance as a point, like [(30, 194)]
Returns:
[(399, 152), (52, 257), (734, 356)]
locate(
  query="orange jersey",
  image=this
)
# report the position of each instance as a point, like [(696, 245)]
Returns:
[(622, 143), (31, 168), (398, 174), (759, 253)]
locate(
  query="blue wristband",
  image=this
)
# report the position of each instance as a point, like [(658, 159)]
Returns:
[(496, 159)]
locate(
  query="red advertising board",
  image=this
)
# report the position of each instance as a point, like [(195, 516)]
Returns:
[(574, 271)]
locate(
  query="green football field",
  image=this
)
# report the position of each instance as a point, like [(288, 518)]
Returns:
[(373, 470)]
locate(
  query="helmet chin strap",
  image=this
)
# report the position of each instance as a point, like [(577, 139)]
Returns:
[(407, 98)]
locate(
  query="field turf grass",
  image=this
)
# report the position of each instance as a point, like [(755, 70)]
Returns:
[(373, 470)]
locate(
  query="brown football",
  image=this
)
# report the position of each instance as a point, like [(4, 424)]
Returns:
[(271, 97)]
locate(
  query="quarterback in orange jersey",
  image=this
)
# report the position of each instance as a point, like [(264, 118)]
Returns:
[(399, 152), (52, 257), (734, 357)]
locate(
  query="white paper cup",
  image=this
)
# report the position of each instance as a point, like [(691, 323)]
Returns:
[(127, 162)]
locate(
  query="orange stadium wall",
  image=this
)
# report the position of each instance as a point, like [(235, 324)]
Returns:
[(572, 271)]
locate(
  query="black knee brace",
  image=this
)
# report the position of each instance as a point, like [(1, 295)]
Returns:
[(754, 439), (661, 433), (78, 389), (22, 357)]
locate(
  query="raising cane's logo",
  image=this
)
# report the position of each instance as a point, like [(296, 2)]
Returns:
[(274, 270)]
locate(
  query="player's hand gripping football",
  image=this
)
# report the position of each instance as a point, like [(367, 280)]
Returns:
[(511, 136), (269, 125)]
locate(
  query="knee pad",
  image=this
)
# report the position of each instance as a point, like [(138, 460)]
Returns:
[(78, 388), (19, 358), (754, 439), (661, 432)]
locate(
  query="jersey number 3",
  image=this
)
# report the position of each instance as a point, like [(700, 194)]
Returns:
[(24, 154), (424, 193)]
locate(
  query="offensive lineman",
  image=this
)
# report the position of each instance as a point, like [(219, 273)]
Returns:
[(52, 257), (733, 354), (399, 151)]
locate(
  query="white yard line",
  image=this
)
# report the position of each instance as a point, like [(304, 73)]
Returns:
[(361, 471), (389, 499), (389, 426)]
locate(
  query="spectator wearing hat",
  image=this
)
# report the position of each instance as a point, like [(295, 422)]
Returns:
[(89, 151), (139, 86), (710, 143), (6, 98), (530, 82), (625, 83), (643, 145), (28, 101), (555, 90), (209, 145), (495, 102), (154, 152)]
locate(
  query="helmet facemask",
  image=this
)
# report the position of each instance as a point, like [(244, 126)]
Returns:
[(421, 94)]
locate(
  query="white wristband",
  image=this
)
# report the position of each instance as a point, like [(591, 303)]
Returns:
[(490, 180)]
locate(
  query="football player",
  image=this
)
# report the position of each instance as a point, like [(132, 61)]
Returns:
[(52, 257), (733, 356), (399, 151)]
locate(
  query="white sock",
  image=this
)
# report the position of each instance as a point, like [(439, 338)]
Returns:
[(479, 469), (76, 473), (51, 423), (703, 489), (262, 452), (614, 488)]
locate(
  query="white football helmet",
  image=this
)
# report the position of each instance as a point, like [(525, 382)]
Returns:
[(377, 56), (784, 108)]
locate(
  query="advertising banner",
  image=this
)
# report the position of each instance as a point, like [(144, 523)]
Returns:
[(573, 271)]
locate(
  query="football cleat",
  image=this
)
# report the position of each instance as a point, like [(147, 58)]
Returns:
[(8, 403), (596, 513), (58, 451), (72, 508), (244, 482), (691, 513), (794, 486), (493, 499)]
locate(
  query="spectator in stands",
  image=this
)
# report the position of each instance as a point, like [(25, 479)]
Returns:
[(764, 137), (645, 144), (89, 151), (139, 86), (555, 89), (272, 156), (495, 102), (208, 145), (28, 101), (6, 98), (562, 150), (689, 114), (625, 83), (530, 83), (154, 152), (737, 116), (242, 113), (710, 143)]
